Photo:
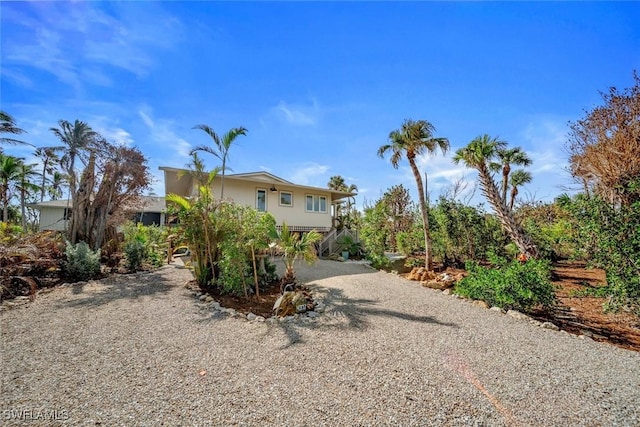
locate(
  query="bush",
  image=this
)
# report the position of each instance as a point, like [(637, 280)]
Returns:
[(82, 263), (135, 253), (509, 285)]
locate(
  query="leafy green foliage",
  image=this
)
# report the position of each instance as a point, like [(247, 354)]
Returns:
[(373, 234), (509, 285), (610, 238), (82, 263), (463, 233), (295, 246), (144, 244)]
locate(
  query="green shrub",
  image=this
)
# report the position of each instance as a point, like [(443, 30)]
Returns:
[(135, 253), (509, 285), (82, 263)]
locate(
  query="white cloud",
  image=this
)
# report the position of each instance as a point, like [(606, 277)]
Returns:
[(309, 174), (163, 135), (75, 41), (297, 114)]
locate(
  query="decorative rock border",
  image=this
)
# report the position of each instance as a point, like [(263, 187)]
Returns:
[(517, 315), (306, 317)]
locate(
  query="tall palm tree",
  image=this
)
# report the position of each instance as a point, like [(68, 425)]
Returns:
[(58, 179), (49, 159), (507, 157), (337, 183), (8, 125), (518, 178), (9, 173), (411, 140), (478, 155), (25, 187), (77, 139), (221, 147)]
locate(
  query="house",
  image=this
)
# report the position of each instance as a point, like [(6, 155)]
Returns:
[(302, 207), (55, 213)]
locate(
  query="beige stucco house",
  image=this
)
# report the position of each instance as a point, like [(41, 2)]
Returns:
[(54, 214), (303, 208)]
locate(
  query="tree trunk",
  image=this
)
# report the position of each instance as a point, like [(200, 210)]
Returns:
[(425, 214), (22, 210), (82, 202), (519, 237), (506, 170)]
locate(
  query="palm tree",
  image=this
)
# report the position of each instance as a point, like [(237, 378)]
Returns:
[(25, 186), (8, 125), (507, 157), (337, 183), (221, 147), (478, 155), (294, 247), (413, 139), (77, 139), (55, 189), (9, 172), (49, 159), (518, 177)]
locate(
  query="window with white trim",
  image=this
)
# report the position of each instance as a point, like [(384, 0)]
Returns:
[(261, 199), (286, 198), (316, 203)]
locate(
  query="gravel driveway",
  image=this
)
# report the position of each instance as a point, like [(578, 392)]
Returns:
[(142, 350)]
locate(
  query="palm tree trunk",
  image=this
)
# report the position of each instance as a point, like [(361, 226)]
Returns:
[(519, 237), (22, 210), (425, 215), (44, 175), (505, 180)]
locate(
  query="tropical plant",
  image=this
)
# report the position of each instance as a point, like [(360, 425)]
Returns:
[(610, 238), (347, 217), (478, 154), (509, 285), (198, 228), (49, 159), (505, 158), (294, 246), (58, 179), (518, 178), (77, 139), (8, 126), (9, 175), (415, 138), (25, 187), (374, 234), (221, 147)]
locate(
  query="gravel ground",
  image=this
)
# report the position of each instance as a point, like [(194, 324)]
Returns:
[(142, 350)]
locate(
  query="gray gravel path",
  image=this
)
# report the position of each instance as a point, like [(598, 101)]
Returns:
[(141, 350)]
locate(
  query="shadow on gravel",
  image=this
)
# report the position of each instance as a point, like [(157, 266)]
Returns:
[(344, 313), (119, 287)]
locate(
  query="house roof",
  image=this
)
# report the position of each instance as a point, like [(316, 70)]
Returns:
[(151, 204), (258, 177)]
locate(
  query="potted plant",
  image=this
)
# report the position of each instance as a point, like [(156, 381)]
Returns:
[(349, 246)]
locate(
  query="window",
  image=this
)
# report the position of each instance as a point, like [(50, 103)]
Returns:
[(286, 198), (261, 200), (316, 203)]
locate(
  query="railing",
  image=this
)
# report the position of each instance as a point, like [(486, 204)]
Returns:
[(329, 246)]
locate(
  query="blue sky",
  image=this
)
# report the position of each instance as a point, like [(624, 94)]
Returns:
[(318, 85)]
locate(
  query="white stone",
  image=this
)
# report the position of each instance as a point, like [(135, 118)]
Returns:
[(312, 314), (517, 314), (202, 297), (447, 291), (251, 317), (549, 325), (320, 308), (260, 319), (215, 305), (498, 309), (209, 298)]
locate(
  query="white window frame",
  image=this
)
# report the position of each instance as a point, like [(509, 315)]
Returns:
[(280, 199), (264, 190), (315, 202)]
